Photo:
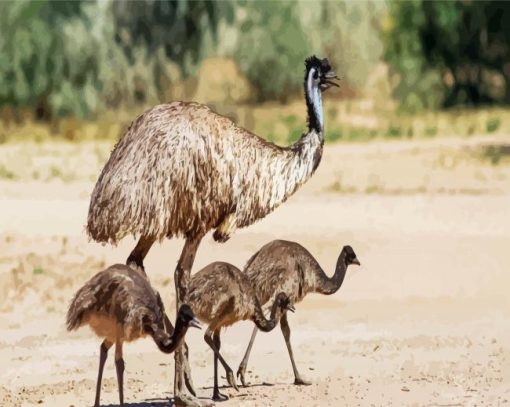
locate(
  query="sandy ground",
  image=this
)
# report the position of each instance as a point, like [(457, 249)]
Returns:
[(424, 322)]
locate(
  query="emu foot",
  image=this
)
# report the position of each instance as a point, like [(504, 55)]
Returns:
[(231, 379), (240, 375), (298, 381), (182, 399), (217, 396)]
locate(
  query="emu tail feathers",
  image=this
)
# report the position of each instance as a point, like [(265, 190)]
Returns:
[(74, 319), (77, 310)]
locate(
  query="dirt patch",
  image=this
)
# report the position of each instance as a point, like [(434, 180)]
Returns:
[(424, 321)]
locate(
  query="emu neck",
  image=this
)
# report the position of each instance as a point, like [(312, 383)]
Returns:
[(327, 285), (313, 96), (262, 323), (168, 344)]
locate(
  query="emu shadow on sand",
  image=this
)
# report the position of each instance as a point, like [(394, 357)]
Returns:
[(120, 306), (282, 266), (221, 295)]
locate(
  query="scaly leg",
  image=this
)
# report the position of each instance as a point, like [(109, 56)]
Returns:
[(284, 324), (217, 396), (182, 277), (119, 366), (136, 257), (103, 354), (208, 337), (244, 363)]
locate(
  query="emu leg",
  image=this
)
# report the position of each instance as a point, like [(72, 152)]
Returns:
[(119, 367), (182, 277), (136, 257), (217, 396), (103, 354), (284, 324), (208, 337), (242, 367), (187, 369)]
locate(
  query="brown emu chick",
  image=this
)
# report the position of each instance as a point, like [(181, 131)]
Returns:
[(283, 266), (221, 295), (120, 306)]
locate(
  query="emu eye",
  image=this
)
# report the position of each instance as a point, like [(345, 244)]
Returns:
[(315, 75)]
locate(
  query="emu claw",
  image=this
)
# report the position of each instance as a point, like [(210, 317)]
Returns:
[(219, 397), (189, 385), (231, 380), (240, 375)]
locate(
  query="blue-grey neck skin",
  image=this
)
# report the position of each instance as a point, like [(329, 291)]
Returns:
[(314, 103)]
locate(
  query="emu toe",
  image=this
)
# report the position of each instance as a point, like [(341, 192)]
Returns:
[(240, 375), (298, 381), (217, 396), (231, 380)]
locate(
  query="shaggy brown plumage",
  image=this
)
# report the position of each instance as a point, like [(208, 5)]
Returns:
[(182, 170), (283, 266), (221, 295), (120, 306)]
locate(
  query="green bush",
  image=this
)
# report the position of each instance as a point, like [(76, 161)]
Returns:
[(447, 53), (274, 38), (77, 58), (271, 48)]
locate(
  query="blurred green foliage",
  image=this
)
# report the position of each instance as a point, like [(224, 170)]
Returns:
[(77, 58), (276, 36), (449, 52), (271, 45), (82, 58), (31, 63), (177, 27)]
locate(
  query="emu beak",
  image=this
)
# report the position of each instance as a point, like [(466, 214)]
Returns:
[(195, 323), (329, 80), (291, 308), (356, 261)]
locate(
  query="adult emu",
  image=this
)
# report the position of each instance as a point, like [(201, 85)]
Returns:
[(182, 169)]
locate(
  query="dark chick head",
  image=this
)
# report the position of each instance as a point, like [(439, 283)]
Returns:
[(284, 302), (321, 72), (350, 256), (187, 317)]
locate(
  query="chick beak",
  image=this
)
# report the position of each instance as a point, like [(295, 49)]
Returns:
[(290, 308), (356, 261), (195, 323)]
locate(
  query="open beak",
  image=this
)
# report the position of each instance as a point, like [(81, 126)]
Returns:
[(195, 323), (329, 80), (356, 261), (290, 308)]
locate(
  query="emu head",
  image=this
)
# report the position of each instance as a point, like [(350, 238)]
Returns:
[(350, 256), (186, 317), (321, 74)]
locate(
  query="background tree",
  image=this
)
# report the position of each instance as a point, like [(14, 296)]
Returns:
[(449, 53)]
